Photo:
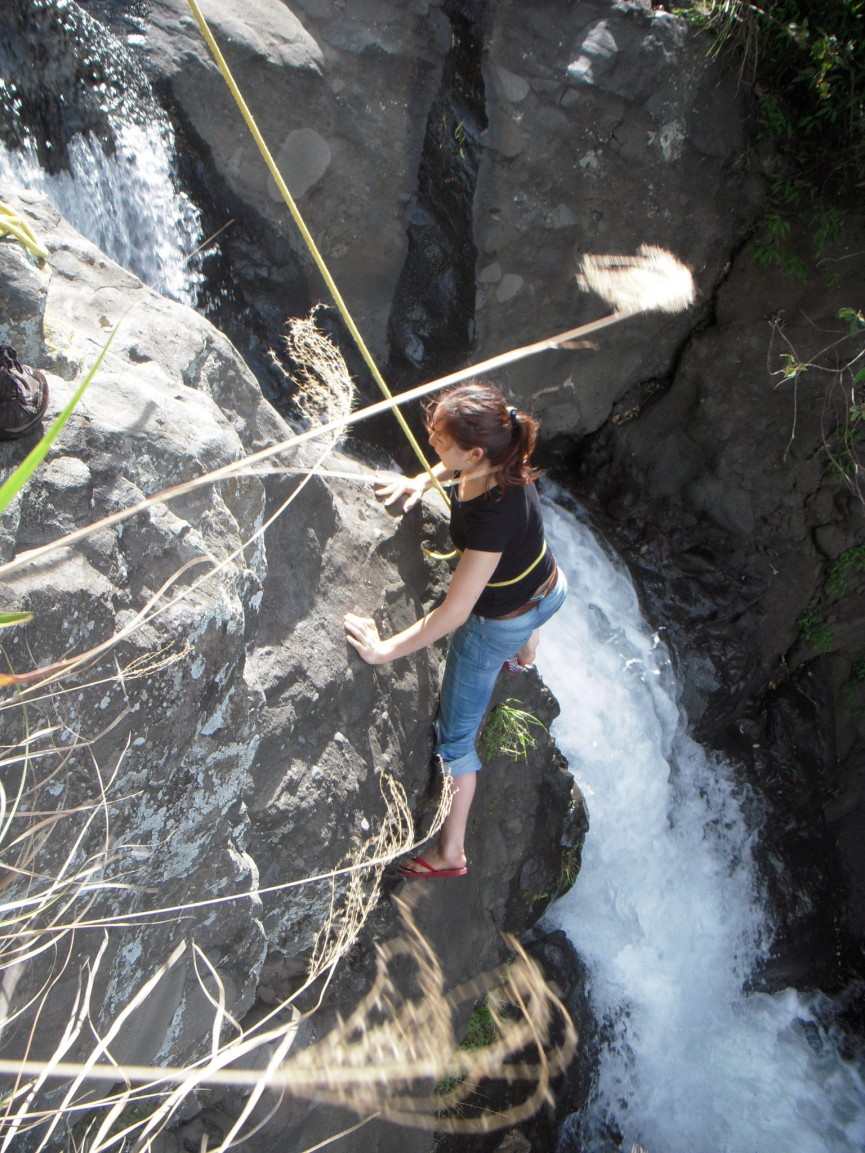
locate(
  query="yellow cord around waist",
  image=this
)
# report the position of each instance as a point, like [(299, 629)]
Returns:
[(492, 584), (516, 580)]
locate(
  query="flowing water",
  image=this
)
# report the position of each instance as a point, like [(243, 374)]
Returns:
[(72, 91), (668, 911), (126, 203)]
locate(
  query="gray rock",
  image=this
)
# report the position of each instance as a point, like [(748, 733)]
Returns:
[(165, 712), (627, 136), (306, 157), (623, 131), (339, 102)]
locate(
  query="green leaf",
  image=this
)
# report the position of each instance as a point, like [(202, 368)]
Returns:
[(854, 318), (8, 619), (34, 458)]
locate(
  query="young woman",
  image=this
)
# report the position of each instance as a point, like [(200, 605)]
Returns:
[(505, 586)]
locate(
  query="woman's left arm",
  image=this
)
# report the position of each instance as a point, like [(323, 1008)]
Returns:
[(470, 576)]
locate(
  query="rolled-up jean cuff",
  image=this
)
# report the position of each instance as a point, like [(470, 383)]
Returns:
[(468, 763)]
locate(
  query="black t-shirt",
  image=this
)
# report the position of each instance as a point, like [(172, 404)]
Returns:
[(508, 521)]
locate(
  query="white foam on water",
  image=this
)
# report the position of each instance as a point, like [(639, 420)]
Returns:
[(668, 912), (126, 203)]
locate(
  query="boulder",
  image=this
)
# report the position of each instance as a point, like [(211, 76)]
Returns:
[(143, 750), (339, 97), (608, 129)]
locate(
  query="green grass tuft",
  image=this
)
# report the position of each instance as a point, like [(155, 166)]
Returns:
[(508, 731)]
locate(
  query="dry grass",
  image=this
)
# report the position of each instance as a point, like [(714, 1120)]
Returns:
[(324, 386), (384, 1060)]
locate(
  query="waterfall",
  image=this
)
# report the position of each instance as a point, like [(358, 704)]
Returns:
[(125, 203), (668, 912), (109, 145)]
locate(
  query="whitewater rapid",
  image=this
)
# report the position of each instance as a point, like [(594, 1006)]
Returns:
[(668, 911)]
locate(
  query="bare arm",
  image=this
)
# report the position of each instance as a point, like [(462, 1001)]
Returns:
[(416, 486), (471, 575)]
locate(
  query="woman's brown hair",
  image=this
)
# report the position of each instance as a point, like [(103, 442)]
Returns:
[(476, 415)]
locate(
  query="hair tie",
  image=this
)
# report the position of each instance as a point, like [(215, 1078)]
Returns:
[(515, 420)]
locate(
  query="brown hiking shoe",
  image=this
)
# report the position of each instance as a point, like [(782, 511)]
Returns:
[(23, 394)]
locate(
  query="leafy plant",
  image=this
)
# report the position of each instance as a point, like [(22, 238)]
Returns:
[(805, 61), (481, 1032), (481, 1029), (854, 317), (816, 630), (841, 461), (509, 731), (843, 446), (569, 871), (851, 561), (838, 371), (843, 449)]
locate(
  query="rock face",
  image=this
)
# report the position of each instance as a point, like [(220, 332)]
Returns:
[(219, 740), (610, 133), (176, 716), (366, 69), (575, 101)]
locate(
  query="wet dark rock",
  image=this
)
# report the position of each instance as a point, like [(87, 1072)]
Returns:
[(795, 764), (431, 324)]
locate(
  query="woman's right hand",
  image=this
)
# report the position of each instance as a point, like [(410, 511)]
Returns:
[(408, 489), (362, 633)]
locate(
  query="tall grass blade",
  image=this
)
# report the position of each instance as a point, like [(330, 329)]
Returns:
[(7, 619), (13, 485)]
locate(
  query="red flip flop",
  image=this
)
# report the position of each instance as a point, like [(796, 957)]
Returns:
[(431, 874)]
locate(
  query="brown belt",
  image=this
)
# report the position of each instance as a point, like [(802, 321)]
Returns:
[(547, 587)]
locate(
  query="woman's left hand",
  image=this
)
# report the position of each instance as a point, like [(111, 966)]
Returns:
[(362, 632)]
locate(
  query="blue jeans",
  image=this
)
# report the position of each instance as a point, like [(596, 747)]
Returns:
[(478, 650)]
